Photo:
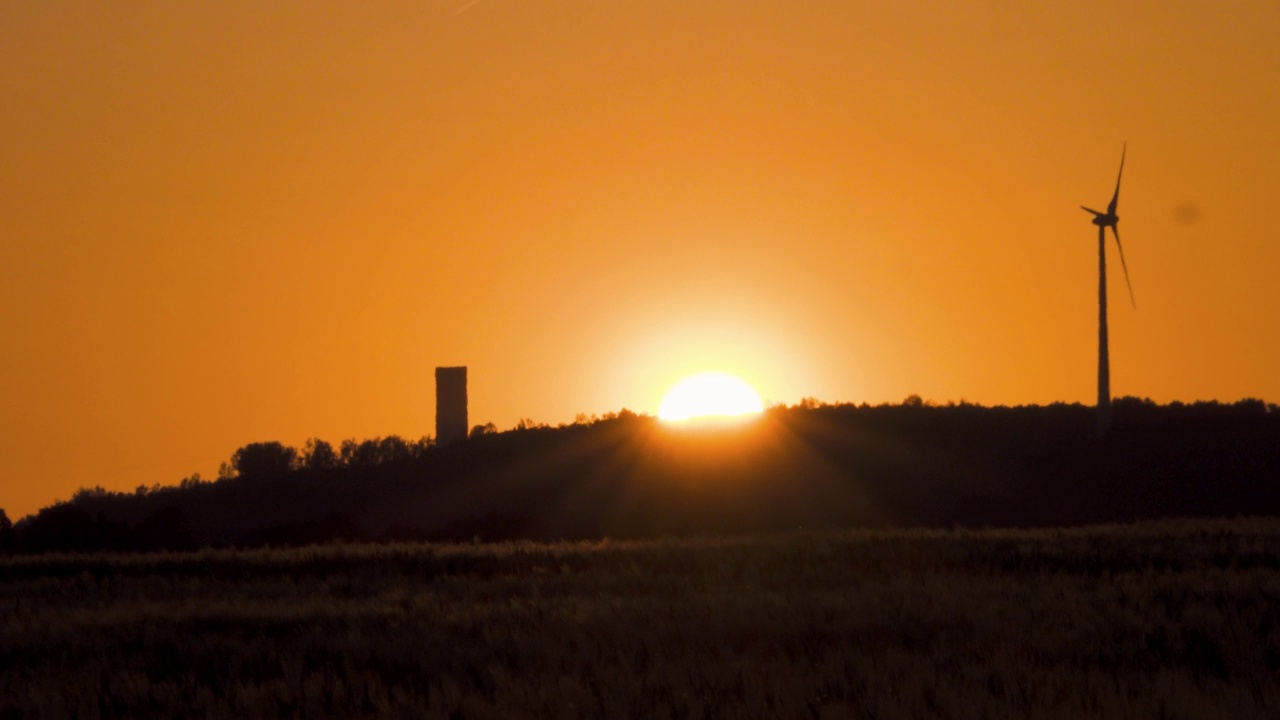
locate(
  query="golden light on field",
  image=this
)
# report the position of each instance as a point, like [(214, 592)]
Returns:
[(709, 395)]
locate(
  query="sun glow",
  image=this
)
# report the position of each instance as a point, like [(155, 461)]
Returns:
[(709, 395)]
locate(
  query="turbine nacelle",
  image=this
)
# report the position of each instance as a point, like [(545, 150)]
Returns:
[(1102, 219)]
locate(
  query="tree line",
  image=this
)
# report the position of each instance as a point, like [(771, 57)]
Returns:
[(812, 464)]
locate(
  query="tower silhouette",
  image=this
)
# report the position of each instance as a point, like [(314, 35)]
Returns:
[(451, 404)]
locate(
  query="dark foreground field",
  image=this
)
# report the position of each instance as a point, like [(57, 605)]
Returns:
[(1155, 620)]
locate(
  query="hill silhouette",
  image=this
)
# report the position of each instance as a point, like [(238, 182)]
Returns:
[(811, 465)]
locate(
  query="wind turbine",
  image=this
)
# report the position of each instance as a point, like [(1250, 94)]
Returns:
[(1105, 220)]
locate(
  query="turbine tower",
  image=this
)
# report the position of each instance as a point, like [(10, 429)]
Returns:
[(1105, 220)]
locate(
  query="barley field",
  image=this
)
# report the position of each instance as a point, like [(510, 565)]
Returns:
[(1155, 620)]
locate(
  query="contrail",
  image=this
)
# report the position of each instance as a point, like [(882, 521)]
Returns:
[(465, 7)]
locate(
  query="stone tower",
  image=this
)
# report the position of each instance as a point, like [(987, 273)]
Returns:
[(451, 404)]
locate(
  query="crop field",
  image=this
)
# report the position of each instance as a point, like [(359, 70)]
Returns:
[(1161, 620)]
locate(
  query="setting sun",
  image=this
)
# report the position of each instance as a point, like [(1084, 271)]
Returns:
[(710, 394)]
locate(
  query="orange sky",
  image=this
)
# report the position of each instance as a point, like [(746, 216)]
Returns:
[(224, 222)]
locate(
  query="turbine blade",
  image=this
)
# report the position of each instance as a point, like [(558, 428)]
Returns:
[(1111, 208), (1116, 230), (1095, 212)]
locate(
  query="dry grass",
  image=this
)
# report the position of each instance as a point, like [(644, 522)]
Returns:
[(1156, 620)]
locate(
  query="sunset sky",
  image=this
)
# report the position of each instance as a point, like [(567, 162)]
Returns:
[(227, 222)]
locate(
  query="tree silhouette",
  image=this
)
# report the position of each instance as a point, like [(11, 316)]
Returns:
[(164, 529), (392, 448), (481, 430), (263, 461), (6, 532), (360, 454), (319, 455), (59, 527)]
